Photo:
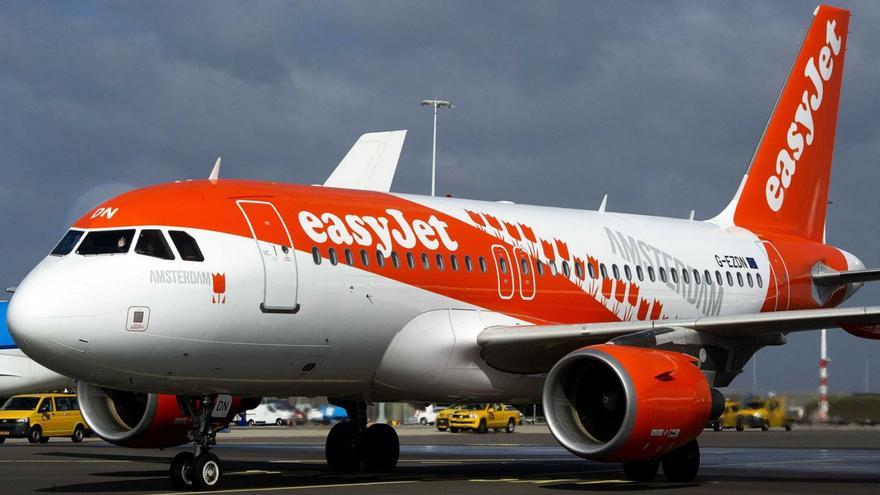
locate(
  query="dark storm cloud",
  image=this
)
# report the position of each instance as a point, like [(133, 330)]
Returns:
[(659, 104)]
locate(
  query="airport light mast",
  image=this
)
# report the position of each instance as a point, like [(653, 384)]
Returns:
[(436, 104), (822, 413)]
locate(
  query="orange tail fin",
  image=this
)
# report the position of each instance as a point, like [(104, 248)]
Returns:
[(786, 189)]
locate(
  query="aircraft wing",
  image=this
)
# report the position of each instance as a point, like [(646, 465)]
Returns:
[(536, 348), (369, 164)]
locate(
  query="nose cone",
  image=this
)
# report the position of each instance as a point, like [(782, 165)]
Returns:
[(51, 319)]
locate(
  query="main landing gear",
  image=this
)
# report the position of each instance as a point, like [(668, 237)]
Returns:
[(198, 470), (352, 445), (680, 465)]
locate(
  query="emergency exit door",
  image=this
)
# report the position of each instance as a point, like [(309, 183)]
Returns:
[(276, 253)]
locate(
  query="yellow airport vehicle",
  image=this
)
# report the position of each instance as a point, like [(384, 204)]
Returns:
[(442, 419), (728, 418), (764, 414), (482, 417), (39, 417)]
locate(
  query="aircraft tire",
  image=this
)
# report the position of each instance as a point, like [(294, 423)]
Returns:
[(380, 448), (340, 448), (683, 463), (206, 472), (180, 471), (641, 471)]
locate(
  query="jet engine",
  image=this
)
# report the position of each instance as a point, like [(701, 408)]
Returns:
[(619, 403), (863, 331), (133, 419)]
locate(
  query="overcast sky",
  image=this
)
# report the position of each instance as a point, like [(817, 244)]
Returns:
[(658, 104)]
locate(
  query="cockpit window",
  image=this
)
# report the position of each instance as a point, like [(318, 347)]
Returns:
[(186, 246), (152, 242), (106, 242), (67, 243)]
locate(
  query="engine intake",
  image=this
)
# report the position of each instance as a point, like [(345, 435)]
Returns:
[(621, 403), (134, 419)]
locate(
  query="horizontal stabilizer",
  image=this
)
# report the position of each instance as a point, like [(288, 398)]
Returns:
[(836, 279), (370, 164)]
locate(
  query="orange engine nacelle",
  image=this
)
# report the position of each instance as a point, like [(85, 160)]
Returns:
[(618, 403), (144, 420), (863, 331)]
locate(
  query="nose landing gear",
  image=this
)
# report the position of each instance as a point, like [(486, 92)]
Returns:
[(198, 470), (352, 445)]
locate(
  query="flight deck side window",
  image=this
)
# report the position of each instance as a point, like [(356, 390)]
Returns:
[(186, 246), (316, 255), (151, 242), (67, 243), (106, 242)]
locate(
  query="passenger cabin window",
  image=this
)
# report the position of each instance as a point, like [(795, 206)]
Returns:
[(729, 279), (380, 259), (739, 278), (565, 268), (749, 278), (552, 265), (502, 264), (627, 272), (316, 255), (453, 262), (425, 262), (439, 259), (186, 246), (662, 274), (151, 242), (674, 274), (468, 264), (349, 258), (718, 277), (332, 255), (106, 242), (578, 269), (67, 243), (615, 271), (483, 266), (696, 277), (760, 281), (525, 266), (591, 270), (539, 267), (365, 258), (639, 273), (651, 275), (685, 276), (708, 277), (410, 260), (603, 270), (395, 260)]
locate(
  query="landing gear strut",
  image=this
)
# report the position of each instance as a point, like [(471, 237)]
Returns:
[(352, 445), (198, 470), (680, 465)]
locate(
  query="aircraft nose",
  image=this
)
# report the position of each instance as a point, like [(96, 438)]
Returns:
[(52, 319)]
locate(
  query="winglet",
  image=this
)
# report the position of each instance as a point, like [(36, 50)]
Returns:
[(215, 172), (369, 164)]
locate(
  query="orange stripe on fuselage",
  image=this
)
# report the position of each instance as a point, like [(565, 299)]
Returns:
[(212, 206)]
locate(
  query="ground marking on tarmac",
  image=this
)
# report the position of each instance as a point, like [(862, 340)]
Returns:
[(805, 461), (301, 487), (56, 461)]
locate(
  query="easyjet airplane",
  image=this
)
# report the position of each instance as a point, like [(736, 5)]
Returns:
[(175, 306)]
